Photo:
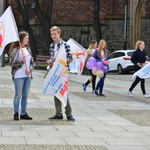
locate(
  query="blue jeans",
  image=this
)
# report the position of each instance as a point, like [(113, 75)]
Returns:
[(100, 84), (22, 86)]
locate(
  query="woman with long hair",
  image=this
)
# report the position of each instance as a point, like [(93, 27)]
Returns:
[(22, 65), (138, 58), (91, 50), (101, 55)]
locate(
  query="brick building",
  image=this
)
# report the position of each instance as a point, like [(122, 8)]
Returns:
[(75, 18)]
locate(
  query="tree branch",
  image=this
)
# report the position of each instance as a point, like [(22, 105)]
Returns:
[(49, 10)]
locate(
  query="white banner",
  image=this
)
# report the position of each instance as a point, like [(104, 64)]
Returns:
[(79, 55), (8, 29), (56, 82), (143, 73)]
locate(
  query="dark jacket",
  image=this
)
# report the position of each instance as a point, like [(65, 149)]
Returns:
[(138, 57), (99, 59)]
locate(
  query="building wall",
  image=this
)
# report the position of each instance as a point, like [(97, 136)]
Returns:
[(75, 19)]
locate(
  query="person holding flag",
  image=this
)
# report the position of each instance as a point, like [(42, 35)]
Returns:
[(54, 48), (138, 58), (22, 65)]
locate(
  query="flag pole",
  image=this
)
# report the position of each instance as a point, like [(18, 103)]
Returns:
[(48, 67), (23, 56)]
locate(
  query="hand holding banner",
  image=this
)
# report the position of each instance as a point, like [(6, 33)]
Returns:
[(56, 82)]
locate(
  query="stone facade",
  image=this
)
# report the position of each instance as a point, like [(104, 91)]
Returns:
[(145, 32), (74, 17), (115, 34)]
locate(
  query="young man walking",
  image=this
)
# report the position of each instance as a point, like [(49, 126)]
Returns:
[(54, 47)]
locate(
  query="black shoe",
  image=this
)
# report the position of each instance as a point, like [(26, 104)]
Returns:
[(16, 116), (25, 116), (56, 117), (70, 118), (100, 94), (96, 92)]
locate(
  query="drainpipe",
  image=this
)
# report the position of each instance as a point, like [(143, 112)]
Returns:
[(125, 23)]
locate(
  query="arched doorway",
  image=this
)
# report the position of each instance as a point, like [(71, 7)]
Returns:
[(135, 22), (138, 21)]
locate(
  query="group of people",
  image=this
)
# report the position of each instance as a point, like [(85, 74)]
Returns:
[(22, 65), (100, 53)]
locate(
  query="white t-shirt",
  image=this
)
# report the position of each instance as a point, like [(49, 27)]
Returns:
[(22, 71), (55, 51), (102, 55), (93, 50)]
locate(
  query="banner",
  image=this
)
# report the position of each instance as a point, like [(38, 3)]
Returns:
[(79, 55), (143, 73), (56, 82), (8, 29)]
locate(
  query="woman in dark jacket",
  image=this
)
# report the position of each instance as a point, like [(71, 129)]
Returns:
[(138, 58)]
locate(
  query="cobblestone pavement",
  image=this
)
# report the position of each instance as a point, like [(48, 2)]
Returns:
[(40, 116), (140, 117), (114, 122)]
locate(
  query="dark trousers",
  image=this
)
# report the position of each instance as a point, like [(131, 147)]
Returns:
[(137, 80), (58, 107), (100, 84), (93, 80)]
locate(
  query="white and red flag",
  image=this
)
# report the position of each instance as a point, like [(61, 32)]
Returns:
[(56, 82), (8, 29), (143, 73), (79, 55)]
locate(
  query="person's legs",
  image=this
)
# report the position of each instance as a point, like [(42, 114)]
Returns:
[(58, 106), (101, 83), (68, 110), (25, 91), (93, 81), (87, 82), (97, 87), (18, 82), (143, 86), (134, 84)]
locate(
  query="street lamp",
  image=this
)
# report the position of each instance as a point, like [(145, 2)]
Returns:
[(125, 23)]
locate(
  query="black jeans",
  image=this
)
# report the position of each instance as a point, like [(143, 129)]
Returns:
[(137, 80)]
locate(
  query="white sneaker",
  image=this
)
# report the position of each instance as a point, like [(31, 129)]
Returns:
[(129, 93), (146, 95)]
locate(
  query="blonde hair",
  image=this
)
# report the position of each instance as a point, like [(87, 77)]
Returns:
[(100, 47), (55, 28), (92, 43), (138, 43), (22, 35)]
